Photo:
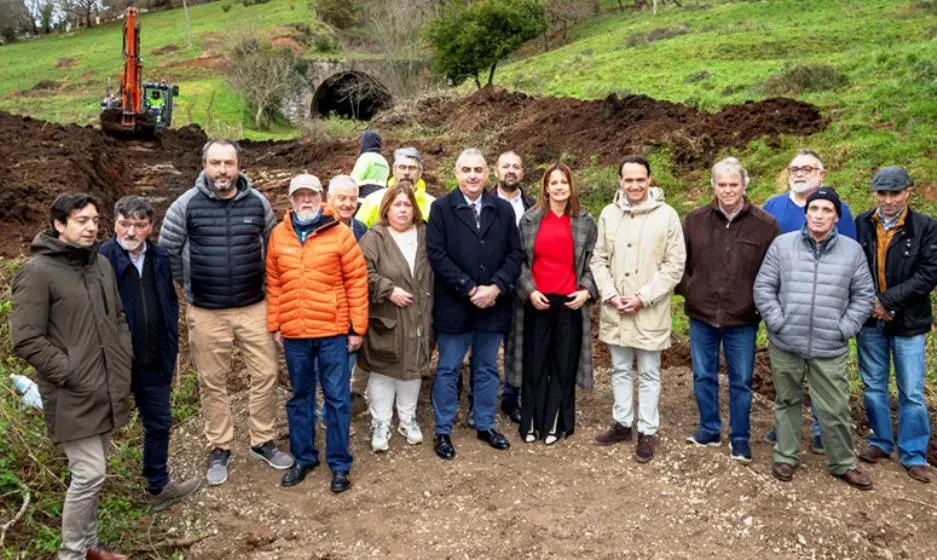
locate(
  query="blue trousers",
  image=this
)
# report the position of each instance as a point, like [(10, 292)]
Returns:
[(484, 378), (302, 355), (151, 389), (876, 352), (739, 346)]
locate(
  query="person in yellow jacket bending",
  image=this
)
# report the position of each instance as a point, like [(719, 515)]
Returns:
[(408, 168)]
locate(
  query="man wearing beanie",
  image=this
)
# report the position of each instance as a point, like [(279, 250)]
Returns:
[(901, 248), (371, 170), (814, 293), (805, 174)]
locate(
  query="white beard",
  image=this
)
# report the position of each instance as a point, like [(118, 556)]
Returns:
[(801, 188), (130, 246), (307, 216)]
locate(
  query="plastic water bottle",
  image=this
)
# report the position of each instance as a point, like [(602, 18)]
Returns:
[(30, 391)]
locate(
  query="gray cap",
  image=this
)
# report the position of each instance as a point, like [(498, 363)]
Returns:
[(892, 178), (305, 181), (408, 152)]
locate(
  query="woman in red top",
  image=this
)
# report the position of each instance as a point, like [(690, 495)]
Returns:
[(552, 328)]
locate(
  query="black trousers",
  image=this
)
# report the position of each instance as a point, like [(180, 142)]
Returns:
[(151, 389), (552, 341)]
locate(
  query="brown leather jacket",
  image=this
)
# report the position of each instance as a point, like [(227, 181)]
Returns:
[(722, 261)]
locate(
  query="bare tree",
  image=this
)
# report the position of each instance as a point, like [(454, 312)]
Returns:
[(265, 76), (14, 20), (83, 11), (563, 14)]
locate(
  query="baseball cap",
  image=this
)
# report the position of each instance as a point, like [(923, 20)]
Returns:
[(892, 178), (305, 181)]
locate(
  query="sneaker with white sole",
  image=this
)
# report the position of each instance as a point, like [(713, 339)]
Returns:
[(218, 466), (269, 453), (171, 493), (380, 436), (411, 430)]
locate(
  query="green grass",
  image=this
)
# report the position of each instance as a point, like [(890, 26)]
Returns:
[(885, 114), (96, 54)]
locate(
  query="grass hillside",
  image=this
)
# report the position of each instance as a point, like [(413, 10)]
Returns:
[(74, 67), (870, 66)]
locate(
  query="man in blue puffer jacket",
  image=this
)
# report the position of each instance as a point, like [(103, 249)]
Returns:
[(814, 292)]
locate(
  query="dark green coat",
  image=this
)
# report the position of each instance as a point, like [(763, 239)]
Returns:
[(68, 323)]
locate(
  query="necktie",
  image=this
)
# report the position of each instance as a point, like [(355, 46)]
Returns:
[(477, 214)]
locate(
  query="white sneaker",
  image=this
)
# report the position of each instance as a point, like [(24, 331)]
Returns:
[(380, 436), (411, 431)]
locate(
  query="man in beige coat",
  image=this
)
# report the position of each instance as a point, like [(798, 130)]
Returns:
[(638, 261)]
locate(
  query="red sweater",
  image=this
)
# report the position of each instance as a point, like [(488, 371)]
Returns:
[(553, 268)]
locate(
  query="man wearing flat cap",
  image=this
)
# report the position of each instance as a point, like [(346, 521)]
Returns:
[(814, 293), (901, 248)]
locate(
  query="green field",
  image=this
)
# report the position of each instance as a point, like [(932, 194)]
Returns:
[(96, 54)]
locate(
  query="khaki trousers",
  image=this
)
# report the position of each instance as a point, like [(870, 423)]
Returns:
[(87, 462), (212, 336), (829, 392)]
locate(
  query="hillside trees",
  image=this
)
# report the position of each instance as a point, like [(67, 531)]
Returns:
[(265, 76), (471, 38), (14, 20)]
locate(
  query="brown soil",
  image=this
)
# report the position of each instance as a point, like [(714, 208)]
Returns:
[(212, 62), (165, 49), (66, 62), (543, 128), (287, 42), (571, 500)]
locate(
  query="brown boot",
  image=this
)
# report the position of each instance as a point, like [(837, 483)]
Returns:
[(616, 434), (918, 473), (857, 479), (872, 454), (98, 553), (644, 451), (783, 472)]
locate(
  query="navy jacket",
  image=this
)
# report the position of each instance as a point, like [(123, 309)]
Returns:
[(165, 291), (463, 256)]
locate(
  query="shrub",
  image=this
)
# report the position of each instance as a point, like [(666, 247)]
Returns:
[(226, 8), (805, 77), (339, 13)]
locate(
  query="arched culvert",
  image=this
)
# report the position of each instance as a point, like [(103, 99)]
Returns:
[(351, 94)]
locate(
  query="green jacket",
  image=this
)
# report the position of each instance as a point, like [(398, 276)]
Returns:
[(371, 168), (371, 207), (68, 323)]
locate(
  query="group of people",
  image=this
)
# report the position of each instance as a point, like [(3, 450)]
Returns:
[(357, 292)]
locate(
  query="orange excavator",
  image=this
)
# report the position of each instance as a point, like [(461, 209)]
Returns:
[(140, 109)]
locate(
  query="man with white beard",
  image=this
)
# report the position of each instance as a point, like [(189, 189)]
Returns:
[(216, 237), (144, 280), (805, 176)]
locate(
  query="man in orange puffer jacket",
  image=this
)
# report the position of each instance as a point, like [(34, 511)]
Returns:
[(317, 309)]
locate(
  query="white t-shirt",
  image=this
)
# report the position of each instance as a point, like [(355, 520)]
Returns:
[(517, 203)]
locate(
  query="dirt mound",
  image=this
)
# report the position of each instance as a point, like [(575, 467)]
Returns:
[(165, 49), (543, 128), (39, 160)]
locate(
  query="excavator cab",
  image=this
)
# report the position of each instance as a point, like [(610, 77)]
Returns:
[(138, 109)]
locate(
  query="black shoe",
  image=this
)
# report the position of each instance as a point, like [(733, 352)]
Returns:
[(296, 474), (494, 439), (340, 482), (442, 445), (515, 416)]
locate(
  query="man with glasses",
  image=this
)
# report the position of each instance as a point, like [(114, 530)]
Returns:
[(805, 176), (408, 168), (144, 280)]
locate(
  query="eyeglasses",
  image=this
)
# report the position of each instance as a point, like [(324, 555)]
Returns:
[(806, 170), (137, 225)]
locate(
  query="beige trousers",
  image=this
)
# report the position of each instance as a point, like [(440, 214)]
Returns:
[(212, 336), (87, 459)]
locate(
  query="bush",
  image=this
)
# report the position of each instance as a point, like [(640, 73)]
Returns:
[(253, 2), (805, 77), (226, 8), (339, 13), (326, 43)]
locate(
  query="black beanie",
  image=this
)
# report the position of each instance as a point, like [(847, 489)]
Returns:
[(826, 193)]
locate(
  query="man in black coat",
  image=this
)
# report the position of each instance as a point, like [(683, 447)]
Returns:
[(144, 280), (475, 252), (901, 248)]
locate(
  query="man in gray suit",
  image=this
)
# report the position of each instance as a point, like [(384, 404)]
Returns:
[(814, 292)]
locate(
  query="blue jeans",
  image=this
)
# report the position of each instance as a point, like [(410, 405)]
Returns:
[(510, 395), (302, 357), (151, 389), (484, 378), (739, 346), (907, 352)]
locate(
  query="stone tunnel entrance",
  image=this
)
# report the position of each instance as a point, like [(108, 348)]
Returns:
[(351, 94)]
